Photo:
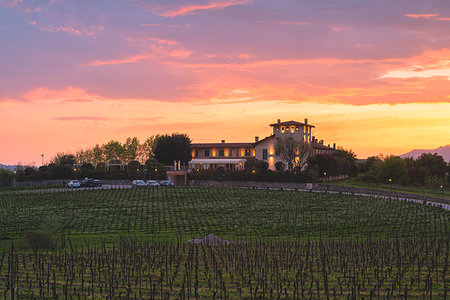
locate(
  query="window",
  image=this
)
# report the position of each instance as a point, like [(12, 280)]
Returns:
[(247, 152), (264, 154), (230, 153), (207, 153), (196, 153), (221, 152)]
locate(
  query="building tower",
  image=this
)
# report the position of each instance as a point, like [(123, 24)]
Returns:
[(300, 131)]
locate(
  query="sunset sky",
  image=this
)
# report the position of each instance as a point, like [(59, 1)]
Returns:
[(372, 76)]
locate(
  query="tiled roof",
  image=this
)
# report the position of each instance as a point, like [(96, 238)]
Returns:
[(291, 123), (321, 146), (264, 139)]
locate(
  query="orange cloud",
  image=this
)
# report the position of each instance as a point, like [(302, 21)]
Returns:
[(213, 5), (80, 118)]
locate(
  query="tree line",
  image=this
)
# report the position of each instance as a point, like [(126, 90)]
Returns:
[(146, 160), (427, 170)]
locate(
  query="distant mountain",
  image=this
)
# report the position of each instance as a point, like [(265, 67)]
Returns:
[(442, 151), (11, 168)]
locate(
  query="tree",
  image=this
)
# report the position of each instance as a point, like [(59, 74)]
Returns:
[(345, 162), (112, 150), (155, 169), (146, 149), (134, 169), (63, 160), (393, 170), (98, 155), (6, 177), (433, 162), (295, 152), (130, 149), (175, 147), (325, 163)]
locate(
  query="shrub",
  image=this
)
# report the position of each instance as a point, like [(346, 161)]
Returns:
[(41, 239), (6, 177), (279, 166)]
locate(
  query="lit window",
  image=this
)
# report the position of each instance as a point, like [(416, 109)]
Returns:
[(247, 152)]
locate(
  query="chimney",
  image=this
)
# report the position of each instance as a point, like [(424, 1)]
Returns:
[(279, 121), (256, 139), (306, 121), (223, 141), (334, 145)]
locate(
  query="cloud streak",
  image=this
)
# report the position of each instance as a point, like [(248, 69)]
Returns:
[(80, 118), (196, 7)]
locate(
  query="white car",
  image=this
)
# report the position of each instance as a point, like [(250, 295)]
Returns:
[(152, 183), (74, 184), (138, 183)]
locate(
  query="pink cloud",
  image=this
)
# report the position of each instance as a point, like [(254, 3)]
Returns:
[(298, 23), (68, 94), (427, 16), (213, 5), (127, 60), (93, 31), (164, 25)]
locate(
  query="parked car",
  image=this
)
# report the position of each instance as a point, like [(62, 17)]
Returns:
[(165, 183), (74, 184), (138, 183), (152, 183), (89, 182)]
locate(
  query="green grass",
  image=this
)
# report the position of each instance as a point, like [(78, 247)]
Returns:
[(132, 243), (443, 193), (237, 214), (31, 187)]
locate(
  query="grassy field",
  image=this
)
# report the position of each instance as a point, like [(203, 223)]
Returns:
[(438, 192), (132, 243), (165, 213)]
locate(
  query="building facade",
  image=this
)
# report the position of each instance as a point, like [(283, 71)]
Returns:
[(232, 156)]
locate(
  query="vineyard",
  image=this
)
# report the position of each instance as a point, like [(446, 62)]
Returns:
[(132, 243)]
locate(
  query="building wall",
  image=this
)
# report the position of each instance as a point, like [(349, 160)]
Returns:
[(272, 159), (303, 133), (227, 152)]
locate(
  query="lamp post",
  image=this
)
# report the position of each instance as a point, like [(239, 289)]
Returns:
[(42, 155), (442, 190)]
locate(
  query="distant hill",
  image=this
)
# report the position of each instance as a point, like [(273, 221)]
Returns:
[(442, 151), (11, 168)]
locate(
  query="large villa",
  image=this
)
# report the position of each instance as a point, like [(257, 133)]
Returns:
[(232, 156)]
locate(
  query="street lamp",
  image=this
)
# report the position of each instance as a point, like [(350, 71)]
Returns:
[(42, 154)]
